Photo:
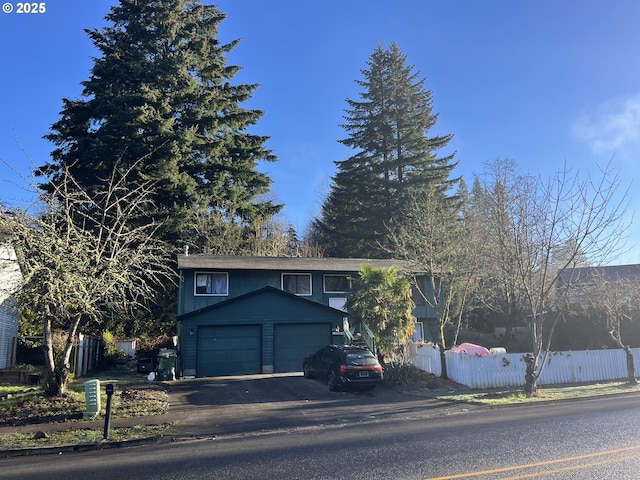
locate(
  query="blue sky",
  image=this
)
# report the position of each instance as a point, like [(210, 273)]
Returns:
[(542, 82)]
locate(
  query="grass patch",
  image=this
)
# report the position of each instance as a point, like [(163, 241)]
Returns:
[(17, 441), (11, 395), (514, 397), (134, 397)]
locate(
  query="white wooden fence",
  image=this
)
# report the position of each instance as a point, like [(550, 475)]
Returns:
[(505, 370)]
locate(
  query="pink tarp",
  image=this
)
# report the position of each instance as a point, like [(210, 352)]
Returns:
[(470, 349)]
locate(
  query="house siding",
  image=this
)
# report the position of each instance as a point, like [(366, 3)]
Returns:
[(266, 308), (8, 332), (243, 282), (255, 297), (10, 279)]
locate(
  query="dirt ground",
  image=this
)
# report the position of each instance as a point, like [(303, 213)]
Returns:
[(429, 383)]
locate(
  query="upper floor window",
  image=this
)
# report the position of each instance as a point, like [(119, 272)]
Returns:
[(337, 283), (297, 283), (212, 284)]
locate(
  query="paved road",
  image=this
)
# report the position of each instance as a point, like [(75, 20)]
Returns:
[(582, 440), (254, 404)]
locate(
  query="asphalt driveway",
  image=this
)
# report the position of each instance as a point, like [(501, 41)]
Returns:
[(257, 404)]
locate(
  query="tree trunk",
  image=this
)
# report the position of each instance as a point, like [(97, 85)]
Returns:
[(51, 386), (58, 372), (631, 369), (443, 363), (443, 358), (530, 377)]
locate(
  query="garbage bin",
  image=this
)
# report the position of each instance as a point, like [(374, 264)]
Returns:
[(166, 364)]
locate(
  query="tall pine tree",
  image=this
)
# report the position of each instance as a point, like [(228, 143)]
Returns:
[(160, 102), (388, 127)]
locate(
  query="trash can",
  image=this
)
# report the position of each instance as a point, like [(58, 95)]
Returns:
[(166, 369)]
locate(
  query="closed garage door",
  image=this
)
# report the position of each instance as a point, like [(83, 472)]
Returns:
[(294, 342), (228, 350)]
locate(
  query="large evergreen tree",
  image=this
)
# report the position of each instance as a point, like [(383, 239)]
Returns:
[(160, 91), (395, 157)]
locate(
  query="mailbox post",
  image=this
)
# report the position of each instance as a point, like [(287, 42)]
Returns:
[(110, 388)]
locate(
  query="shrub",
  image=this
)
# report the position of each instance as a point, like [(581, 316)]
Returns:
[(401, 372)]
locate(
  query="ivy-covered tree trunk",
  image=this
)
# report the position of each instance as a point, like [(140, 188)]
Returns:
[(531, 376)]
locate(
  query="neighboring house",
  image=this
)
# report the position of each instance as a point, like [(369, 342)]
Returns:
[(246, 315), (10, 280), (589, 281)]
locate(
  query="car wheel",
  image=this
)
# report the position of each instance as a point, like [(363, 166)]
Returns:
[(331, 382), (306, 371)]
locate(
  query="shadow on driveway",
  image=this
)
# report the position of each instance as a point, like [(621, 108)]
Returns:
[(258, 403)]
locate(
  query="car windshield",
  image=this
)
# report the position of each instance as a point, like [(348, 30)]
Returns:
[(361, 359)]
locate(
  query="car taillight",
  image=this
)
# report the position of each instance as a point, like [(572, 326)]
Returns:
[(353, 368)]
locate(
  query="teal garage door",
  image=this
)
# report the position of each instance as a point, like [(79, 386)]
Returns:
[(228, 350), (291, 343)]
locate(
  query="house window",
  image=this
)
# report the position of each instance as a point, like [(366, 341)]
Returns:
[(297, 283), (212, 284), (338, 303), (337, 283)]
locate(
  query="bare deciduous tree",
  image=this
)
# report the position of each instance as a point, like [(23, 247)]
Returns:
[(529, 224), (85, 259), (437, 238)]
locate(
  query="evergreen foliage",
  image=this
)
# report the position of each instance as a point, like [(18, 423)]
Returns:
[(160, 91), (381, 299), (388, 127)]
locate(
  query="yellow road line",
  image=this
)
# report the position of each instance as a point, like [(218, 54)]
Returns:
[(575, 467), (538, 464)]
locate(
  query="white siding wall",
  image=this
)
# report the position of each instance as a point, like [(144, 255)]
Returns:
[(10, 278)]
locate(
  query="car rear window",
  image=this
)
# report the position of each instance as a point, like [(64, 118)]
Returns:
[(361, 359)]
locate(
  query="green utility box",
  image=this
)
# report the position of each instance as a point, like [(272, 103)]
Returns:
[(91, 399)]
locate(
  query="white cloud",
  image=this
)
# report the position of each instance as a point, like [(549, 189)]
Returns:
[(614, 126)]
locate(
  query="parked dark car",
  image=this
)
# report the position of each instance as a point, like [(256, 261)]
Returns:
[(145, 365), (344, 366)]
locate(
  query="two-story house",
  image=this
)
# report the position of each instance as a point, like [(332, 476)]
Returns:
[(246, 315)]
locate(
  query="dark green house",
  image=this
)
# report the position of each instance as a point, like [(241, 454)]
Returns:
[(246, 315)]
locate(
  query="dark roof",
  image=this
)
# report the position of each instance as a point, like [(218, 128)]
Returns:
[(232, 262), (610, 273)]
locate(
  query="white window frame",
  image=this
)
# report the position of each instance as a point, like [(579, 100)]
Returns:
[(195, 284), (324, 277), (297, 274)]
